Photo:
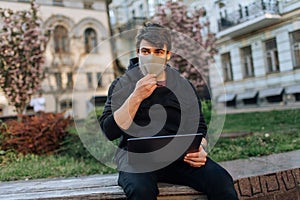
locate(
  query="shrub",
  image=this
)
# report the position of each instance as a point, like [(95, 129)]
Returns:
[(206, 109), (86, 140), (40, 134), (73, 144)]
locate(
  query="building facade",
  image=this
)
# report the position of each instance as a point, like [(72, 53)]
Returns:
[(258, 55), (78, 56)]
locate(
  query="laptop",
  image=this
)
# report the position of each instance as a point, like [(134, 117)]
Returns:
[(167, 148)]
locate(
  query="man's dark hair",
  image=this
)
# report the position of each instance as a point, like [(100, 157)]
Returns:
[(155, 34)]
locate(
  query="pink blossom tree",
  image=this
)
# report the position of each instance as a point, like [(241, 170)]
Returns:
[(23, 43), (194, 25)]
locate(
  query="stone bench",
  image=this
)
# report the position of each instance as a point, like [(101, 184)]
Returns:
[(274, 177), (167, 192), (89, 187), (282, 185)]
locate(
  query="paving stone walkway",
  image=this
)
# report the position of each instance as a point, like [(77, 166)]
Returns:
[(262, 165), (97, 185)]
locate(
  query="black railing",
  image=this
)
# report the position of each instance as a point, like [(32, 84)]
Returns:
[(248, 12), (132, 24)]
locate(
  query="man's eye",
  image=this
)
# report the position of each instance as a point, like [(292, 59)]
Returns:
[(144, 51), (160, 52)]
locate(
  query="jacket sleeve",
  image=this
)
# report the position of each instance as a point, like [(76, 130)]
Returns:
[(107, 122), (202, 127)]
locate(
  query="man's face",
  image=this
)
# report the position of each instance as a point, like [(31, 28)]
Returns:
[(152, 59), (146, 48)]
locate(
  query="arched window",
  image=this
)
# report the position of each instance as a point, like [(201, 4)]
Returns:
[(90, 40), (61, 39)]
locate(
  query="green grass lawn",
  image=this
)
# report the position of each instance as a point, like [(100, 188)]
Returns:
[(33, 167), (283, 121), (273, 132)]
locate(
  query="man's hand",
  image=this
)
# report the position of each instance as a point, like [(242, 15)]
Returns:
[(144, 87), (196, 159)]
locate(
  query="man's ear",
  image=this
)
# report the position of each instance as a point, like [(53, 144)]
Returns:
[(169, 55), (137, 52)]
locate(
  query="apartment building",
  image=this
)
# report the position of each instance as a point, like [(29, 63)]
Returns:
[(259, 54), (78, 56)]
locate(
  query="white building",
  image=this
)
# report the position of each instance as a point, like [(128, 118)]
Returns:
[(78, 56), (259, 54)]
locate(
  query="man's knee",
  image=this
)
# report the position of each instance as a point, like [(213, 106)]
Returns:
[(141, 191), (138, 187), (219, 182)]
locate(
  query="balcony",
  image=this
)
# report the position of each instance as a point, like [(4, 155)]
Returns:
[(131, 25), (248, 18)]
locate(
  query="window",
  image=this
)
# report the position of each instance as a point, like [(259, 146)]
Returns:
[(227, 68), (88, 5), (89, 80), (61, 39), (295, 43), (70, 80), (66, 105), (141, 10), (58, 80), (271, 56), (99, 79), (247, 62), (90, 40), (58, 3)]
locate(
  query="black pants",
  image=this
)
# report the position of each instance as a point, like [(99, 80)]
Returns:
[(211, 179)]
